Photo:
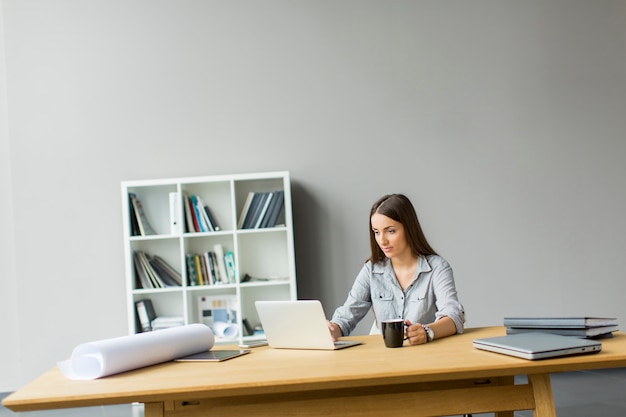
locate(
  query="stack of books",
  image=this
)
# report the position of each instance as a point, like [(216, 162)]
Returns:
[(211, 267), (167, 322), (198, 216), (262, 210), (584, 327), (152, 271)]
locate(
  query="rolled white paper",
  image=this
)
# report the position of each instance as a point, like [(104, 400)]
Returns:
[(111, 356), (225, 330)]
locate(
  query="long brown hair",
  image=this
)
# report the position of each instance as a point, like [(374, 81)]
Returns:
[(399, 208)]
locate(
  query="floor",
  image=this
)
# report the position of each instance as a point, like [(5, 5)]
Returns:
[(600, 393)]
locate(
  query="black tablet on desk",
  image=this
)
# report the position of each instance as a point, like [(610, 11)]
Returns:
[(212, 356)]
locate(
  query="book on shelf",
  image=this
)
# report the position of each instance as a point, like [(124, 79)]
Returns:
[(192, 213), (260, 215), (189, 225), (212, 219), (203, 220), (587, 332), (198, 215), (275, 210), (208, 219), (580, 322), (221, 263), (192, 277), (134, 223), (261, 210), (145, 314), (197, 263), (229, 260), (211, 267), (245, 209), (143, 225), (252, 210)]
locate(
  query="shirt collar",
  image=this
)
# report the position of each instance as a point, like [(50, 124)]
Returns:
[(422, 266)]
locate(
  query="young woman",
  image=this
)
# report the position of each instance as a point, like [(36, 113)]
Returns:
[(403, 279)]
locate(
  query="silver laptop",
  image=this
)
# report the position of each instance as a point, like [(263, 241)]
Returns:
[(299, 324), (537, 345)]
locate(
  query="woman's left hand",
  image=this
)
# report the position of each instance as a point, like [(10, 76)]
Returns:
[(415, 333)]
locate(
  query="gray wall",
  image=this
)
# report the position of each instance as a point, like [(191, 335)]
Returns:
[(504, 121)]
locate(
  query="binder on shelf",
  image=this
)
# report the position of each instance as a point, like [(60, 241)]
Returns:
[(145, 313), (175, 214)]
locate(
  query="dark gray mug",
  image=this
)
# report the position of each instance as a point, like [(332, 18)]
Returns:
[(393, 332)]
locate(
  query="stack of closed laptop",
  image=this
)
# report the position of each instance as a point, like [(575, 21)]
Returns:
[(583, 327)]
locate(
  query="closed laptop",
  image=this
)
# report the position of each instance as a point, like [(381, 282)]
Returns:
[(537, 345)]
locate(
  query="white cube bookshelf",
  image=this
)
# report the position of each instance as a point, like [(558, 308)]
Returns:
[(265, 254)]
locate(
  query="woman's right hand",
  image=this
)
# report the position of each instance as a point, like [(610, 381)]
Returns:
[(335, 330)]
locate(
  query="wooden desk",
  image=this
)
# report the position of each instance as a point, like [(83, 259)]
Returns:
[(444, 377)]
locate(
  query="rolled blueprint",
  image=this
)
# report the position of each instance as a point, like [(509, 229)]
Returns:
[(111, 356)]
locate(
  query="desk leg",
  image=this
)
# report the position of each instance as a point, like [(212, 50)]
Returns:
[(542, 391), (508, 380), (153, 410)]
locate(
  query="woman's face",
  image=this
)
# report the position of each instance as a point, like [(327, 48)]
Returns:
[(389, 235)]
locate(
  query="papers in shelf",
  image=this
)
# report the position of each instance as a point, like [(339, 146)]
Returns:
[(111, 356)]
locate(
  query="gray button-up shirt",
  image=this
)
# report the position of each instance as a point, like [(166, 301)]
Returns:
[(431, 296)]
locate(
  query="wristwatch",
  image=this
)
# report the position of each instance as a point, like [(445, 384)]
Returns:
[(430, 335)]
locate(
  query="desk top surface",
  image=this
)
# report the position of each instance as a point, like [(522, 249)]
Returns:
[(267, 370)]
